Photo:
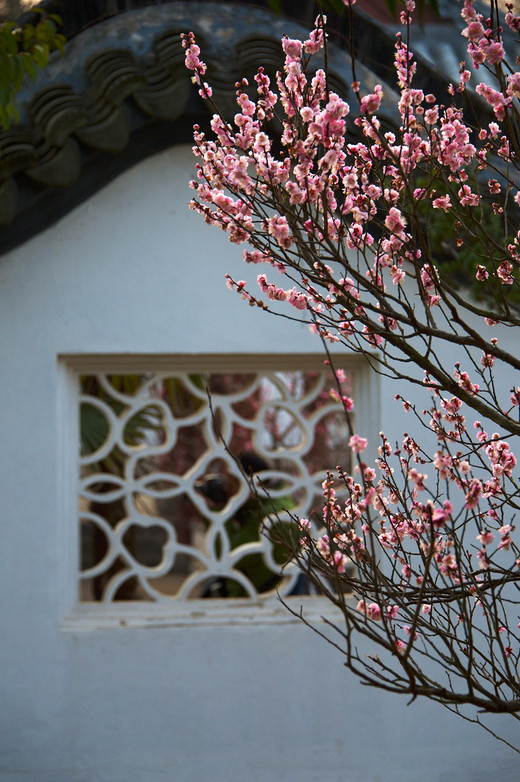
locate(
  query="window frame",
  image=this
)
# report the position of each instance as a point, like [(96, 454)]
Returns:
[(270, 610)]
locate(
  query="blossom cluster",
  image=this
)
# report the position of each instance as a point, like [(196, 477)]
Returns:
[(434, 541), (342, 205), (322, 195)]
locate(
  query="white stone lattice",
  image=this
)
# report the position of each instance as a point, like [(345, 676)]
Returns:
[(165, 511)]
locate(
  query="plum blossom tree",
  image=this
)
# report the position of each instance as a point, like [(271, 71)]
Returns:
[(339, 210)]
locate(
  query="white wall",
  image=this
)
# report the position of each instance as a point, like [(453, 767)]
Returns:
[(133, 271)]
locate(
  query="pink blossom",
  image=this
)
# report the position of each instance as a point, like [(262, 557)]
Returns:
[(358, 444), (370, 103), (483, 559), (395, 222), (473, 493), (513, 88), (371, 610), (279, 228), (431, 116), (297, 299), (515, 396), (504, 273), (345, 400), (273, 291), (292, 47), (442, 202), (397, 275), (494, 53), (464, 382), (315, 41), (467, 198), (439, 517), (486, 537), (495, 98), (340, 562), (400, 646)]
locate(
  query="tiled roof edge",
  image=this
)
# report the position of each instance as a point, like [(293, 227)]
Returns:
[(121, 92)]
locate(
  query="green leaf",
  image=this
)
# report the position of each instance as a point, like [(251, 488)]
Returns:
[(4, 118), (58, 42), (8, 40), (40, 54), (94, 429), (28, 36), (17, 71), (28, 64), (5, 94), (45, 31), (22, 50)]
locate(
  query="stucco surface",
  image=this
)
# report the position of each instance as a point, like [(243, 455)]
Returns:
[(133, 271)]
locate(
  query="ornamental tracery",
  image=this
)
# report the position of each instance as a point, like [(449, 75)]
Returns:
[(166, 507)]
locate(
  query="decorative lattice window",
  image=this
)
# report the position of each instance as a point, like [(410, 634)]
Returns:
[(166, 514)]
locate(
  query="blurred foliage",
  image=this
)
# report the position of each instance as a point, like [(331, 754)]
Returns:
[(457, 242), (24, 49), (95, 428)]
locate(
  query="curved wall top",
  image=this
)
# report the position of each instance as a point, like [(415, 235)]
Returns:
[(121, 92)]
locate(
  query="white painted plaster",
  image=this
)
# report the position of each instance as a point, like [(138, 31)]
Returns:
[(133, 271)]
